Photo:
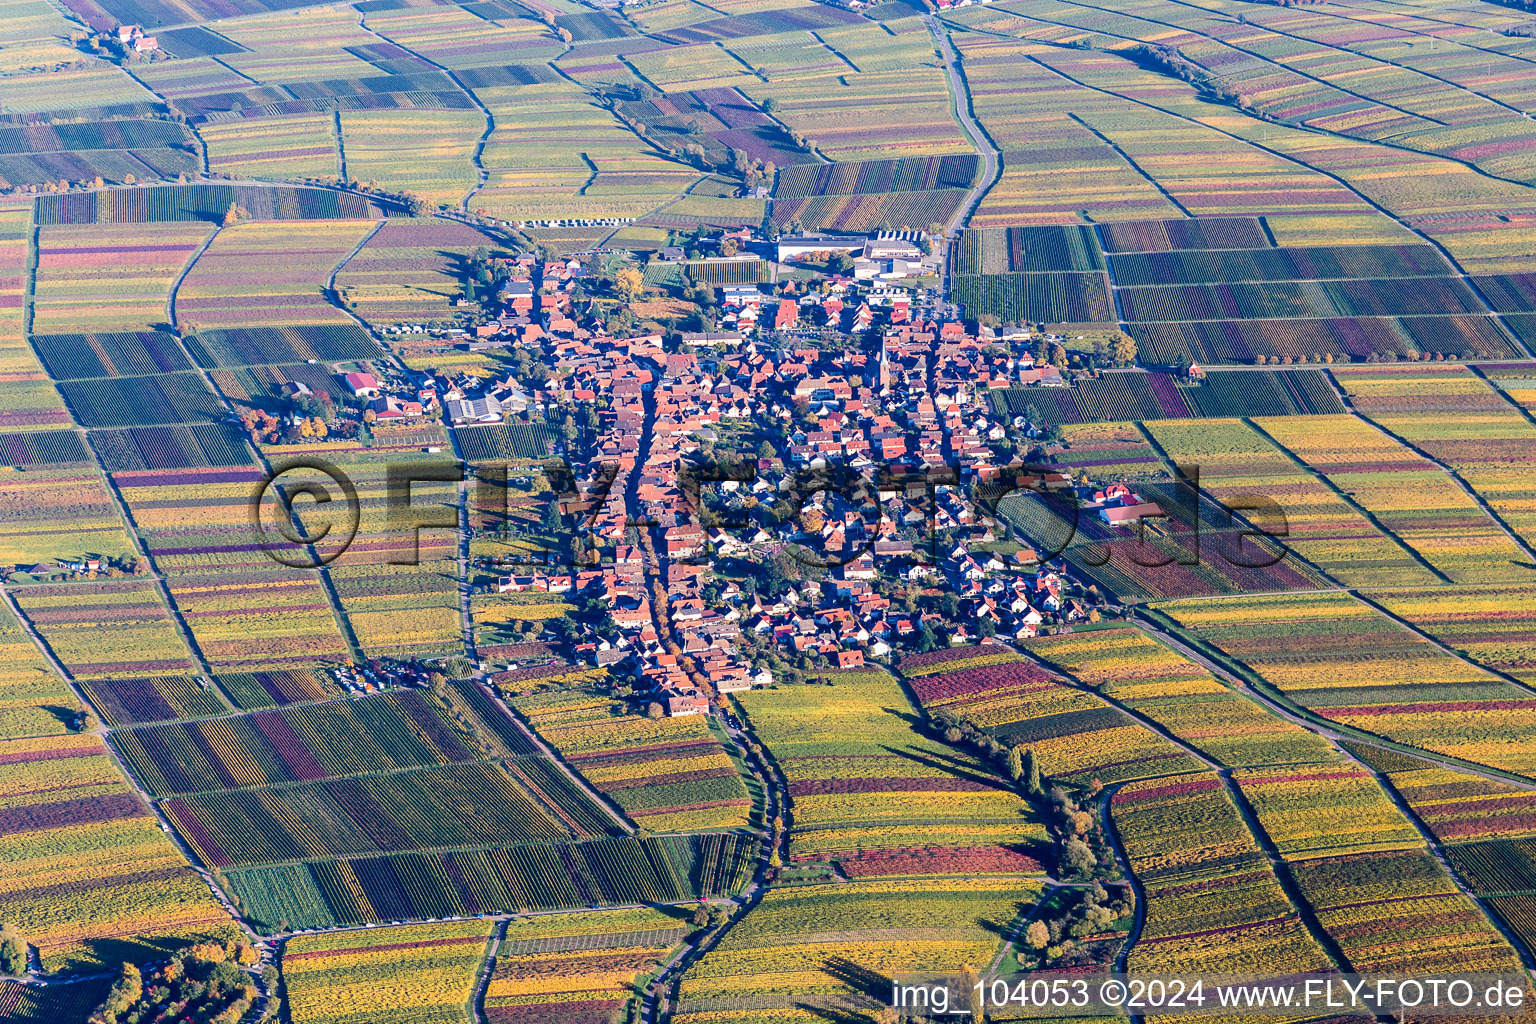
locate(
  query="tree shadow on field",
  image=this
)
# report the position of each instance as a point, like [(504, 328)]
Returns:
[(835, 1015), (66, 716), (955, 767), (857, 977), (916, 722)]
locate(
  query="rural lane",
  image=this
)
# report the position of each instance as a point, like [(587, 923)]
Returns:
[(990, 157)]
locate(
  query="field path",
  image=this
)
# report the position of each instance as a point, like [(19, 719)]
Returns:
[(487, 968), (490, 119), (539, 744), (1455, 476), (1278, 864), (992, 159), (102, 731), (1460, 272)]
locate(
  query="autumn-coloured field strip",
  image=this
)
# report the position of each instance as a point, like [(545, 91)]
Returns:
[(569, 967), (398, 589), (109, 629), (860, 776), (1163, 563), (1452, 416), (88, 875), (58, 512), (203, 203), (1186, 841), (1404, 492), (1455, 806), (1177, 694), (1319, 520), (417, 974), (407, 270), (32, 696), (1493, 626), (1344, 661), (85, 283), (665, 774), (1076, 735), (259, 620), (196, 522), (801, 941), (514, 879), (261, 274)]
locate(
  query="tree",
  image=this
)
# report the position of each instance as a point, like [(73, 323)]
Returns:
[(125, 991), (235, 214), (1123, 348), (1078, 857), (700, 916), (629, 283), (1032, 773), (13, 951), (770, 106), (653, 710), (1037, 935), (1016, 763)]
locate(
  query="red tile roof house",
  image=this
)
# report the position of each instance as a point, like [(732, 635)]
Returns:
[(362, 384), (679, 704), (789, 312)]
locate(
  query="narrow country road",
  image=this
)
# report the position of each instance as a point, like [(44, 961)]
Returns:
[(990, 157)]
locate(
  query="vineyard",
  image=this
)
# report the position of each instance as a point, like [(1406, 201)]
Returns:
[(589, 964), (1359, 339), (504, 442), (1033, 249), (178, 447), (302, 743), (141, 401), (1239, 678), (71, 356), (862, 781), (200, 203), (876, 177), (720, 272), (417, 974), (42, 448), (1197, 234), (109, 630), (1036, 297), (250, 346), (665, 774), (518, 879)]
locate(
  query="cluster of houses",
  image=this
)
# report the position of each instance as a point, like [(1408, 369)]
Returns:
[(131, 37), (887, 257), (461, 399), (918, 404)]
